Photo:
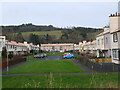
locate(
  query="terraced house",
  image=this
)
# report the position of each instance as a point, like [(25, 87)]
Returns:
[(57, 47), (115, 37), (104, 43), (108, 42), (90, 47), (17, 47), (2, 43)]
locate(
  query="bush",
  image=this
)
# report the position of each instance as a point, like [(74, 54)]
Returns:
[(10, 56), (83, 59), (78, 53)]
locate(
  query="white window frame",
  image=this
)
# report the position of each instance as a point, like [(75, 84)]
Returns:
[(115, 37), (115, 54)]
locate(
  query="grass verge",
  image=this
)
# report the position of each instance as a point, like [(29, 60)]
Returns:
[(62, 81)]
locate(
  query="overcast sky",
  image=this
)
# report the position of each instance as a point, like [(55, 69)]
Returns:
[(59, 14)]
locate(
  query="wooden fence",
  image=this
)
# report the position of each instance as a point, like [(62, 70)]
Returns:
[(102, 60)]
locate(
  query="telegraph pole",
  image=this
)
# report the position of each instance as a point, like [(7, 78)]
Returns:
[(7, 57)]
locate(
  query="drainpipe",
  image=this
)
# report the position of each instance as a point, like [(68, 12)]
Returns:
[(7, 58)]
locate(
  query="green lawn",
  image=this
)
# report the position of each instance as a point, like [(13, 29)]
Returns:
[(32, 58), (55, 53), (46, 67), (62, 81)]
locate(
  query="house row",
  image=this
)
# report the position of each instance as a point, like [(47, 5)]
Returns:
[(16, 47), (107, 43), (57, 47), (89, 47)]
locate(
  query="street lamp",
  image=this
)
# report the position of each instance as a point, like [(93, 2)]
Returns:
[(7, 57), (33, 51)]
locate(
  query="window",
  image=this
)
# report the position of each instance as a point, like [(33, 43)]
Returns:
[(102, 41), (98, 42), (11, 46), (115, 37), (115, 54), (106, 40)]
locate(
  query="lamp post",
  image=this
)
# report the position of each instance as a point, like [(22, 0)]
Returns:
[(7, 57), (33, 51)]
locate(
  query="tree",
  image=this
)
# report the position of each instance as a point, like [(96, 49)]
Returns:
[(34, 39), (19, 37)]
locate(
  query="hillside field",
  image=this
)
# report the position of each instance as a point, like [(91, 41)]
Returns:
[(57, 33)]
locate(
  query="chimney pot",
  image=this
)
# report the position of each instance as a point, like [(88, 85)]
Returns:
[(116, 13)]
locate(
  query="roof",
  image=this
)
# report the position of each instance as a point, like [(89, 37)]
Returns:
[(70, 44), (90, 43), (117, 30), (2, 36), (94, 42), (106, 31), (21, 44), (14, 43), (100, 34)]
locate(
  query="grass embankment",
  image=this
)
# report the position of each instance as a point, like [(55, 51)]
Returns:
[(62, 81), (55, 53), (46, 67), (56, 33)]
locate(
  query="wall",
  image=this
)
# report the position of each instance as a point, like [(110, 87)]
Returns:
[(101, 43)]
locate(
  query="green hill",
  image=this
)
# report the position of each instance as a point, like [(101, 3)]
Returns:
[(49, 34)]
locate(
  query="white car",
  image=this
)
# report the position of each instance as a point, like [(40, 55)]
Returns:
[(45, 55), (61, 51)]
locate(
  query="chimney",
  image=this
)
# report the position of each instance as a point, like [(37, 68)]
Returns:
[(116, 13)]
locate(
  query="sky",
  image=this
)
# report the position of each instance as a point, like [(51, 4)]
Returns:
[(58, 14)]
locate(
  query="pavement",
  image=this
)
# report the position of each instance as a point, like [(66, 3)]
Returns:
[(52, 58)]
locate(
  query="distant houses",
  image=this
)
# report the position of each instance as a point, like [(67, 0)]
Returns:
[(58, 47), (17, 48)]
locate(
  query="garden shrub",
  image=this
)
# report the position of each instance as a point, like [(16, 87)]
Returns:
[(10, 56)]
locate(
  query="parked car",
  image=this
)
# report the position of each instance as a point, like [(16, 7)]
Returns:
[(45, 55), (65, 54), (68, 56), (61, 51), (39, 56)]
